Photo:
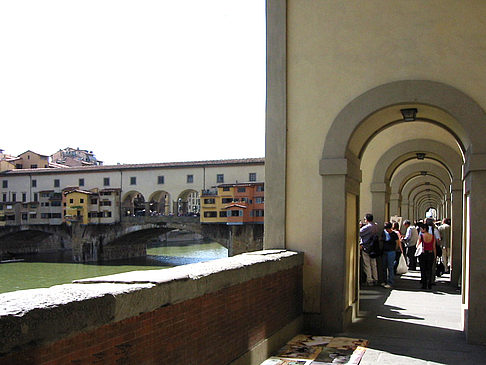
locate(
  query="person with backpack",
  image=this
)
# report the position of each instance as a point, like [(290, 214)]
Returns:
[(368, 234), (391, 244)]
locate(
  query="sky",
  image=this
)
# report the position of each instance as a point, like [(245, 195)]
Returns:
[(133, 81)]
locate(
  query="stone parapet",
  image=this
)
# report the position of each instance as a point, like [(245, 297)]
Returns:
[(35, 322)]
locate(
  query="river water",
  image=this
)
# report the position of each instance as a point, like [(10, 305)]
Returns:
[(45, 270)]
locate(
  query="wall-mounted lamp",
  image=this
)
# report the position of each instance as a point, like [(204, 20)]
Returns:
[(409, 114), (420, 156)]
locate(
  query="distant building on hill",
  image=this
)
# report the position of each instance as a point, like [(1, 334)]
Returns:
[(74, 157)]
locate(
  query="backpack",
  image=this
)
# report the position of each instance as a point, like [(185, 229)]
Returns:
[(373, 247)]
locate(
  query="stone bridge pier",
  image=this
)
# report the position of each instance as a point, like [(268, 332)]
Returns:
[(129, 238), (123, 240)]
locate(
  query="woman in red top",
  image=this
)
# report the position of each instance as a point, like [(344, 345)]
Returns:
[(427, 258)]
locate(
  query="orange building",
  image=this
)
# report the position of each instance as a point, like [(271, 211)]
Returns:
[(234, 204)]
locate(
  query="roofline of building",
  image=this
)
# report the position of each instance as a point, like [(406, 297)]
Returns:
[(147, 166)]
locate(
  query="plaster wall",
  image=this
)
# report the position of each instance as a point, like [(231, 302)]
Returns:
[(175, 179), (338, 50)]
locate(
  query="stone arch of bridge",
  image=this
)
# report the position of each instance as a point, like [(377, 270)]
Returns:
[(349, 136)]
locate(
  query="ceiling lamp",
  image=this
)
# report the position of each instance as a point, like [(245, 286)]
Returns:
[(409, 114), (420, 155)]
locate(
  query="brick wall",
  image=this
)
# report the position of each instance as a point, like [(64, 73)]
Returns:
[(212, 329)]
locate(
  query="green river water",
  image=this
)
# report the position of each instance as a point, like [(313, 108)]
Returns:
[(45, 270)]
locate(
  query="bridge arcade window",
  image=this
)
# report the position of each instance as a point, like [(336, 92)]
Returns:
[(5, 184), (57, 183), (220, 178), (190, 179), (133, 180), (81, 182), (160, 180), (252, 176), (34, 183), (106, 181)]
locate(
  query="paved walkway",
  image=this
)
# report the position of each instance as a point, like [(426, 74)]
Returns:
[(408, 325)]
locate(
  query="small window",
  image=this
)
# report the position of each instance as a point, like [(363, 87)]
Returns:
[(36, 197), (24, 197), (5, 184), (133, 180), (190, 179), (34, 166), (210, 214), (241, 190), (252, 176), (57, 183), (81, 201), (222, 214), (34, 183), (226, 188), (160, 180), (209, 201), (259, 200), (4, 198), (220, 178), (106, 181), (260, 188), (81, 182), (71, 201), (14, 197), (94, 201)]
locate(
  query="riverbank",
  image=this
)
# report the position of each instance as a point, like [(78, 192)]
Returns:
[(52, 268)]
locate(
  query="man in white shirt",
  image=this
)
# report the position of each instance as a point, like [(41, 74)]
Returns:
[(410, 241), (366, 233)]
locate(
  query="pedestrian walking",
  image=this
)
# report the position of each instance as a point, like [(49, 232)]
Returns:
[(390, 246)]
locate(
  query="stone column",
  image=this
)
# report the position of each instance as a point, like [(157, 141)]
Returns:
[(474, 270), (456, 231), (404, 210), (395, 205), (378, 202), (339, 177), (276, 125), (448, 205)]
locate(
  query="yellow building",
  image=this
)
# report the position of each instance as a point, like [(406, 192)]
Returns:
[(2, 217), (32, 160), (6, 165), (214, 201), (76, 205)]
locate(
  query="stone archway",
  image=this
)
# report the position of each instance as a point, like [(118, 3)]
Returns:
[(188, 202), (159, 203), (341, 177), (133, 204)]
